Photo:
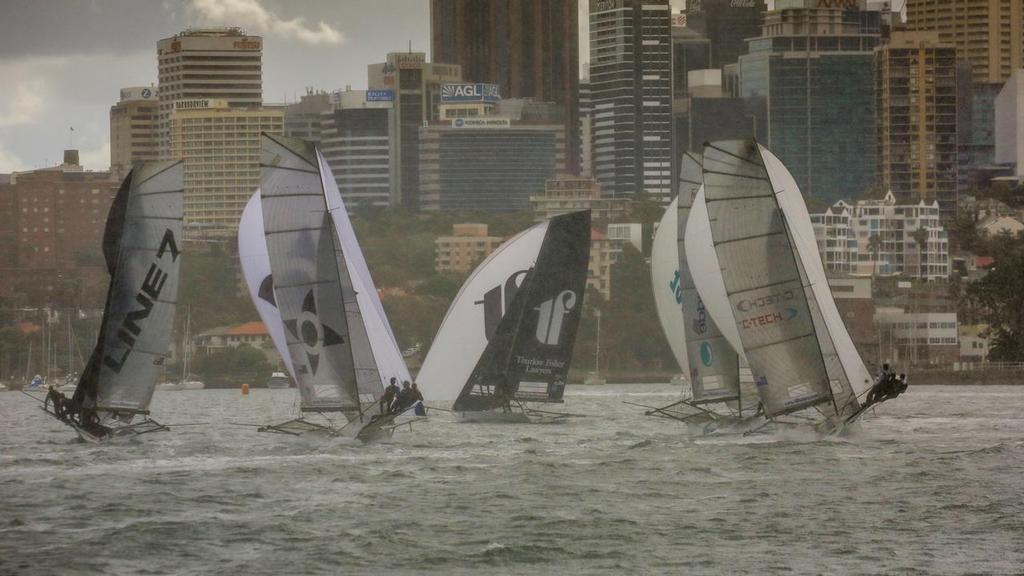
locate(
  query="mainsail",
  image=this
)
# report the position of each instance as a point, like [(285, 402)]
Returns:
[(775, 308), (142, 253), (308, 281), (714, 373), (524, 303)]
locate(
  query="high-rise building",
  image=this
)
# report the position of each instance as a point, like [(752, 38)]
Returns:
[(354, 141), (133, 129), (1009, 125), (815, 68), (416, 86), (690, 51), (51, 231), (586, 128), (986, 32), (488, 163), (916, 103), (207, 63), (727, 24), (220, 146), (631, 91), (529, 48), (302, 119), (566, 193), (707, 113)]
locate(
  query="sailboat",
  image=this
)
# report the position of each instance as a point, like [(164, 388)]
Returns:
[(507, 338), (801, 356), (318, 298), (715, 375), (141, 249)]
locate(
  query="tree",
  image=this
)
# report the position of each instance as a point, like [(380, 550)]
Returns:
[(999, 298), (874, 245), (920, 237)]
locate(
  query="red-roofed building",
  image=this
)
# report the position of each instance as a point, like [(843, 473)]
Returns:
[(251, 333)]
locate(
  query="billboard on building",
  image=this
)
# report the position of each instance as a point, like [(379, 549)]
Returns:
[(481, 122), (380, 96), (463, 92)]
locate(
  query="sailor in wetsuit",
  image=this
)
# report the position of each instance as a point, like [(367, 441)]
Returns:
[(389, 396), (882, 386), (404, 398), (417, 400)]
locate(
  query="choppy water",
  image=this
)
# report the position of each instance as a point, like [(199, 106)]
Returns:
[(934, 484)]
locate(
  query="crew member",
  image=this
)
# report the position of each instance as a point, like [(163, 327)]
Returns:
[(389, 396), (402, 401), (417, 400)]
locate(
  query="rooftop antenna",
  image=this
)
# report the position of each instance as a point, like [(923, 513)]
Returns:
[(71, 137)]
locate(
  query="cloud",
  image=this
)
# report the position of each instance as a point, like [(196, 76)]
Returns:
[(252, 15), (97, 158), (9, 162), (27, 89)]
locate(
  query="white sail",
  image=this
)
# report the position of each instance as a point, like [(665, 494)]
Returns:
[(802, 235), (301, 246), (714, 373), (387, 354), (475, 313), (252, 252), (667, 284), (707, 275), (763, 280)]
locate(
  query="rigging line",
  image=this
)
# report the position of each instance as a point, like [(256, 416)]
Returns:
[(157, 173), (727, 153), (158, 193), (289, 195), (295, 152), (290, 230), (289, 168), (748, 176), (32, 397), (743, 238), (763, 286), (777, 342), (762, 196)]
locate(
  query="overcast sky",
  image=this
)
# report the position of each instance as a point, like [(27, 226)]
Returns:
[(63, 62)]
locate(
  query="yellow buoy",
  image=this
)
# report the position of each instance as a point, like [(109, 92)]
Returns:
[(245, 389)]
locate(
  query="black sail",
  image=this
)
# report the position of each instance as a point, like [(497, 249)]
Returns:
[(141, 246), (528, 356)]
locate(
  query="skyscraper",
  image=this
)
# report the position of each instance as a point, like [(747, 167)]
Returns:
[(416, 88), (815, 68), (133, 129), (217, 63), (986, 32), (726, 24), (916, 91), (354, 140), (631, 91), (527, 47)]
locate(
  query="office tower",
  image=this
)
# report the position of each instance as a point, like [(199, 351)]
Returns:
[(916, 103), (986, 32), (1009, 123), (354, 140), (631, 91), (727, 24), (529, 48), (221, 149), (207, 63), (416, 84), (133, 129), (690, 51), (815, 69), (302, 119)]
